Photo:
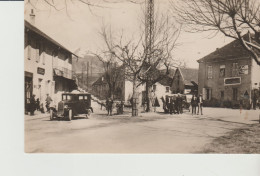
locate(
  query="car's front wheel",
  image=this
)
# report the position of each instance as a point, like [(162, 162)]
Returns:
[(70, 114)]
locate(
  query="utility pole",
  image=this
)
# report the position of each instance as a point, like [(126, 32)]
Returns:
[(149, 27), (149, 42), (87, 75), (82, 76)]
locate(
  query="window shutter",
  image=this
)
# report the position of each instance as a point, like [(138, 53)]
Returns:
[(37, 53), (204, 94), (29, 49), (43, 54)]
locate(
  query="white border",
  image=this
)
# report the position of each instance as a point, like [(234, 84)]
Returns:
[(15, 162)]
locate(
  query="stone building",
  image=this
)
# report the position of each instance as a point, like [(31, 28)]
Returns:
[(228, 76), (185, 81), (47, 65)]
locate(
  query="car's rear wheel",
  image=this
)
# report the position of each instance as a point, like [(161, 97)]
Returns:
[(70, 114), (51, 114)]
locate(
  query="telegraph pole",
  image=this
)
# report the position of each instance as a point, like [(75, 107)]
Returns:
[(149, 42), (87, 75)]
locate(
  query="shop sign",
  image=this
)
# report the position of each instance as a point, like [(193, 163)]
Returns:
[(40, 70), (232, 81)]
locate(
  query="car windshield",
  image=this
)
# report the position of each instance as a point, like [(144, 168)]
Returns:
[(66, 97), (81, 97)]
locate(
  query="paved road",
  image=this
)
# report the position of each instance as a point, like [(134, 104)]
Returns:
[(150, 133)]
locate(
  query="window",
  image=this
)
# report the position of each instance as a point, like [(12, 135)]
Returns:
[(235, 69), (222, 94), (208, 93), (81, 97), (222, 70), (243, 69), (234, 93), (167, 89), (154, 88), (209, 72)]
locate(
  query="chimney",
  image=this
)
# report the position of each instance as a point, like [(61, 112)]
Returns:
[(32, 17)]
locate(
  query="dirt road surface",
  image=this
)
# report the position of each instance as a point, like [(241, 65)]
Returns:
[(150, 133)]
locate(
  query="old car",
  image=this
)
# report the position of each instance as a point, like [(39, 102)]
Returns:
[(72, 105)]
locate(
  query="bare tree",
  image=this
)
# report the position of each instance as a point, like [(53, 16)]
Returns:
[(233, 18), (64, 4), (141, 62), (112, 72)]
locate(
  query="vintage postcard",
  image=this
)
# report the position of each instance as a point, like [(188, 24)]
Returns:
[(142, 76)]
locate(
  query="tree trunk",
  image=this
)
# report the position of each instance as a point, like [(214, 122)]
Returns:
[(148, 90), (135, 100)]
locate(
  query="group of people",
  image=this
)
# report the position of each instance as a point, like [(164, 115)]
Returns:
[(109, 106), (34, 105), (196, 104), (174, 104)]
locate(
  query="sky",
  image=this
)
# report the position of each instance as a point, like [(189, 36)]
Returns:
[(78, 26)]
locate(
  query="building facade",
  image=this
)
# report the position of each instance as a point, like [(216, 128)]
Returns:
[(47, 65), (185, 81), (229, 76)]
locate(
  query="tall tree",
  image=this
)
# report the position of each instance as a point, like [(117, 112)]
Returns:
[(142, 62), (233, 18)]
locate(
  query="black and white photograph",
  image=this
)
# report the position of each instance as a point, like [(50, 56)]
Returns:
[(142, 76)]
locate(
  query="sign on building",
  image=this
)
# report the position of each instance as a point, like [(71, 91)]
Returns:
[(232, 81)]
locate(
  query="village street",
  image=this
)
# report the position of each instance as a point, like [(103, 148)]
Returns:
[(149, 133)]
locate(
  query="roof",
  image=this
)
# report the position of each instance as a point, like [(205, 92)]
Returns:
[(41, 33), (100, 81), (232, 50), (189, 75), (166, 81)]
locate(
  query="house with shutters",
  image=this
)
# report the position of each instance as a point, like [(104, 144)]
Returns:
[(228, 75), (47, 64)]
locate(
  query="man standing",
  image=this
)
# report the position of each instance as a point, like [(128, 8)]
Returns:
[(48, 102), (179, 102), (194, 104), (32, 105), (200, 103), (109, 104)]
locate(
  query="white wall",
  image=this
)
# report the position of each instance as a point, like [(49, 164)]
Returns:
[(159, 93), (40, 89), (255, 75)]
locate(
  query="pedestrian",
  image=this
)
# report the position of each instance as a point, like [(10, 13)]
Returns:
[(193, 104), (156, 104), (171, 105), (122, 107), (254, 102), (37, 104), (179, 103), (109, 104), (32, 104), (48, 102), (200, 104)]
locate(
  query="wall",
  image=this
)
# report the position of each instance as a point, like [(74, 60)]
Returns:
[(159, 93), (40, 53), (177, 83), (216, 84), (42, 84), (255, 75)]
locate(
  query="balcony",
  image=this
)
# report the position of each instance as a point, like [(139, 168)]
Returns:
[(64, 72)]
